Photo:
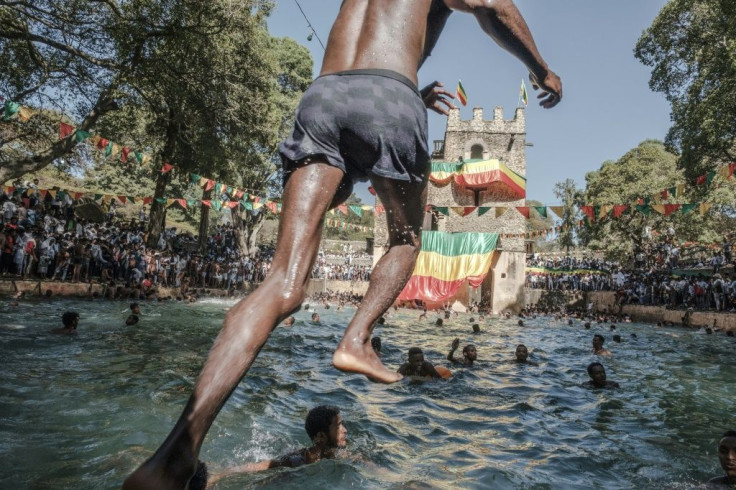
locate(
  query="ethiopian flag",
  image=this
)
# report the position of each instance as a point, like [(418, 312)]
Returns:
[(461, 95), (446, 260), (522, 94)]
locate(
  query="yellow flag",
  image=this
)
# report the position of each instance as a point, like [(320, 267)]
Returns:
[(558, 210), (705, 207), (170, 201), (53, 193), (24, 114), (500, 211), (658, 208)]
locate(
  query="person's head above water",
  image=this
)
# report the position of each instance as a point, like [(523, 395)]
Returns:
[(597, 374), (522, 353), (289, 321), (325, 428), (470, 352), (376, 344), (587, 325), (598, 341), (416, 358), (135, 308), (132, 319), (315, 317), (727, 458), (70, 319), (476, 328)]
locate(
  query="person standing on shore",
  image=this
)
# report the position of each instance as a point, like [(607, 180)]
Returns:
[(362, 118)]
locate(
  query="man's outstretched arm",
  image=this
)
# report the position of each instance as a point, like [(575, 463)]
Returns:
[(501, 20)]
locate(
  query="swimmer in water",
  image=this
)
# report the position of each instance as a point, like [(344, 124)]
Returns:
[(376, 344), (727, 457), (476, 328), (315, 317), (522, 355), (597, 374), (70, 320), (289, 321), (417, 366), (470, 354), (131, 320), (324, 426), (376, 43), (598, 349)]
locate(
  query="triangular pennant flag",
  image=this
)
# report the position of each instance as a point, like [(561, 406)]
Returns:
[(247, 205), (81, 135), (619, 210), (194, 178), (161, 200), (147, 200), (709, 178), (524, 210), (643, 208), (94, 139), (356, 209), (98, 197), (191, 203), (170, 201), (166, 168), (217, 204), (500, 211), (673, 191), (102, 143), (10, 109), (52, 192), (146, 159), (272, 207), (444, 210), (210, 185), (131, 199), (686, 208), (343, 208), (138, 156), (125, 153), (65, 130), (558, 210), (705, 207), (604, 210), (44, 192), (182, 203), (108, 149), (701, 180), (25, 113), (658, 208), (588, 211), (239, 194), (122, 199), (680, 189), (483, 210), (664, 194), (541, 210), (459, 210), (670, 208), (207, 203)]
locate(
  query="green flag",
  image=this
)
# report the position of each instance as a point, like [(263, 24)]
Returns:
[(542, 210), (686, 208), (81, 135), (645, 209), (11, 108), (483, 210)]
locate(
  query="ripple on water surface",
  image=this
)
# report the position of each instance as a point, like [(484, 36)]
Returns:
[(85, 410)]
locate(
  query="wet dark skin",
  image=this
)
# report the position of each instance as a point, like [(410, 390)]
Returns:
[(598, 379), (470, 354), (727, 458), (417, 366), (385, 34)]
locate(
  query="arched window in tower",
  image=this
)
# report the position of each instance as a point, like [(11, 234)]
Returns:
[(476, 152)]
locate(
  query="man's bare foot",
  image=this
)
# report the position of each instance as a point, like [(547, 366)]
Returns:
[(154, 476), (353, 357)]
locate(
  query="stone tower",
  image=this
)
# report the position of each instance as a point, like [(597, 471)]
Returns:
[(477, 138)]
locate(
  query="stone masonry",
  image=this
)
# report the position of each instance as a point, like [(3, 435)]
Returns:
[(487, 139)]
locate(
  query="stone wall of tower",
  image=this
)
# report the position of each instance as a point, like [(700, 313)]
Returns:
[(503, 140)]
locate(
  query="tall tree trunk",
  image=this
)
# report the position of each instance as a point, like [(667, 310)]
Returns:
[(158, 209), (204, 223), (246, 227)]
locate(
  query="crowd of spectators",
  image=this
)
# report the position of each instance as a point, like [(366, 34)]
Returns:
[(42, 237)]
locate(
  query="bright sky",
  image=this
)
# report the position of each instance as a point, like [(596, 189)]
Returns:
[(607, 107)]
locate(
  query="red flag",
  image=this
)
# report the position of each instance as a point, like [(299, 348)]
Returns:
[(182, 203), (618, 210), (210, 185), (701, 180), (65, 130), (664, 194), (372, 190), (343, 208), (524, 210), (207, 203), (125, 153), (122, 199), (102, 144), (670, 208), (589, 211), (731, 168), (147, 200), (166, 168), (239, 194)]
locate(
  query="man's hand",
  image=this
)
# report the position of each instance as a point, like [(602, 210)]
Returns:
[(434, 96), (551, 87), (455, 344)]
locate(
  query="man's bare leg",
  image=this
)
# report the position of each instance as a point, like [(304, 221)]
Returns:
[(404, 203), (247, 326)]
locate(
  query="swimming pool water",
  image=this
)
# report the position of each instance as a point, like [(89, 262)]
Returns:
[(85, 410)]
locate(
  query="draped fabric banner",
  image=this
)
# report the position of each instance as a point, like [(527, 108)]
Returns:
[(479, 174), (446, 260)]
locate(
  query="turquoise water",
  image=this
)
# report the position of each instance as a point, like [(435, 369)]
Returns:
[(85, 410)]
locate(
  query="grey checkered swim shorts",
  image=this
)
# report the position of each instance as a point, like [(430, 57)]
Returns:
[(364, 122)]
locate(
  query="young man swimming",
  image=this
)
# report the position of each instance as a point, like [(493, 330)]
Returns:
[(417, 366), (470, 354), (363, 118), (727, 458), (597, 374), (324, 426)]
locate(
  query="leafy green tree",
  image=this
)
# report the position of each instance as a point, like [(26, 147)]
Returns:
[(568, 193), (691, 47)]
